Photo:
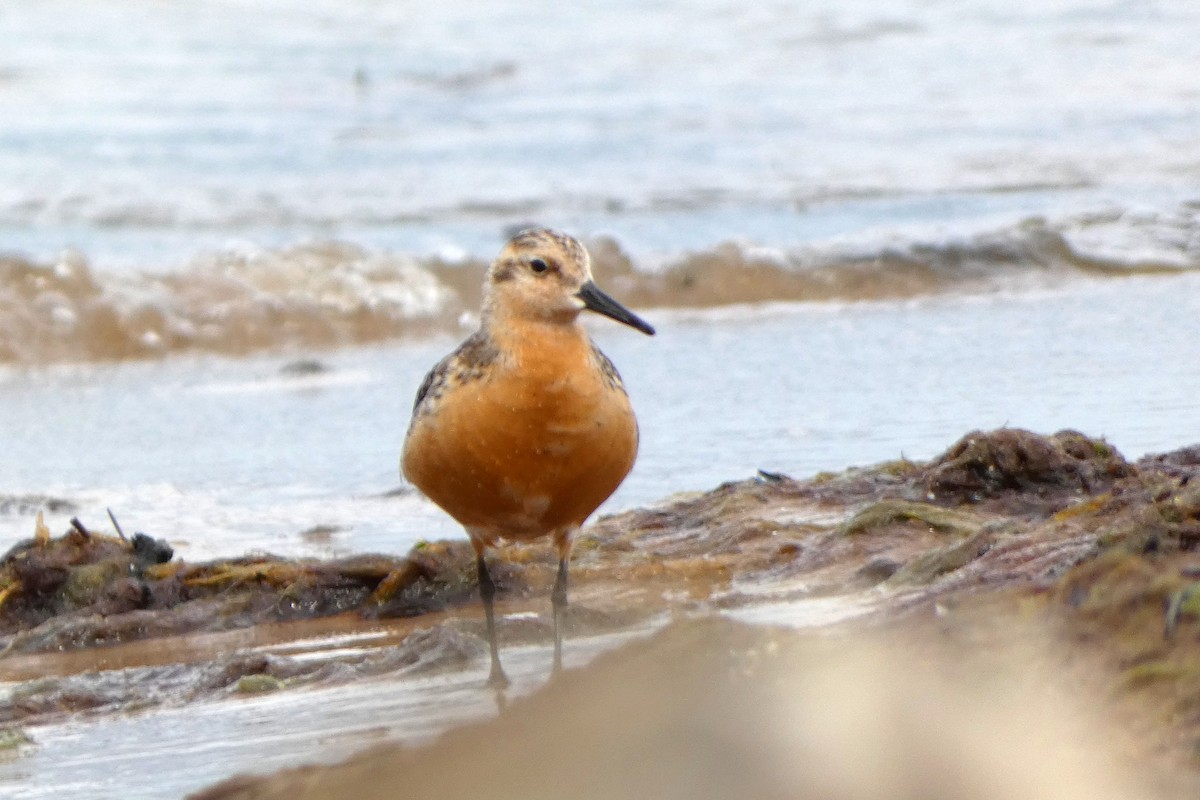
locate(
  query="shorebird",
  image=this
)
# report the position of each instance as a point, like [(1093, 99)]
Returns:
[(525, 429)]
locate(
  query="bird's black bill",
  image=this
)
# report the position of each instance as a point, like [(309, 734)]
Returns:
[(596, 300)]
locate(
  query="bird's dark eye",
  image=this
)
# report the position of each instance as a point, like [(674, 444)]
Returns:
[(538, 265)]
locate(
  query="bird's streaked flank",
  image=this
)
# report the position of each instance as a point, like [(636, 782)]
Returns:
[(525, 429)]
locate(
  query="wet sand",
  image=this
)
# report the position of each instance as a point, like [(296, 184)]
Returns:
[(716, 709), (1008, 542)]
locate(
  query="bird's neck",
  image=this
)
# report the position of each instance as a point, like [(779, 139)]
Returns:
[(532, 339)]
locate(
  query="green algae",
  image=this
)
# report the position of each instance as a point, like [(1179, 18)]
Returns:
[(87, 583), (1153, 672), (258, 684), (13, 739), (932, 565), (889, 512), (1184, 602)]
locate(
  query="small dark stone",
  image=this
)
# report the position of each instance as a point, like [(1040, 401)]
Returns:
[(878, 569), (149, 550), (304, 366)]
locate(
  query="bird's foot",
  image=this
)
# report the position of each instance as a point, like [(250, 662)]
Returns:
[(497, 679)]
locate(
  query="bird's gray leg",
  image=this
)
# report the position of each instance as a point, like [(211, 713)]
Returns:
[(559, 599), (487, 593)]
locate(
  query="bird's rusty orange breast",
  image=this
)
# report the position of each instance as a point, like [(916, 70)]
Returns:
[(532, 447)]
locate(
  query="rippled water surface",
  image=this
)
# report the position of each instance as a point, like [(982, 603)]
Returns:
[(144, 134)]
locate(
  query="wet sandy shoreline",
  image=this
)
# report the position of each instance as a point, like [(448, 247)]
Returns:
[(1005, 530)]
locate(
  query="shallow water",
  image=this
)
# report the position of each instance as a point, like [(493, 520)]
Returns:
[(170, 752), (227, 456)]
